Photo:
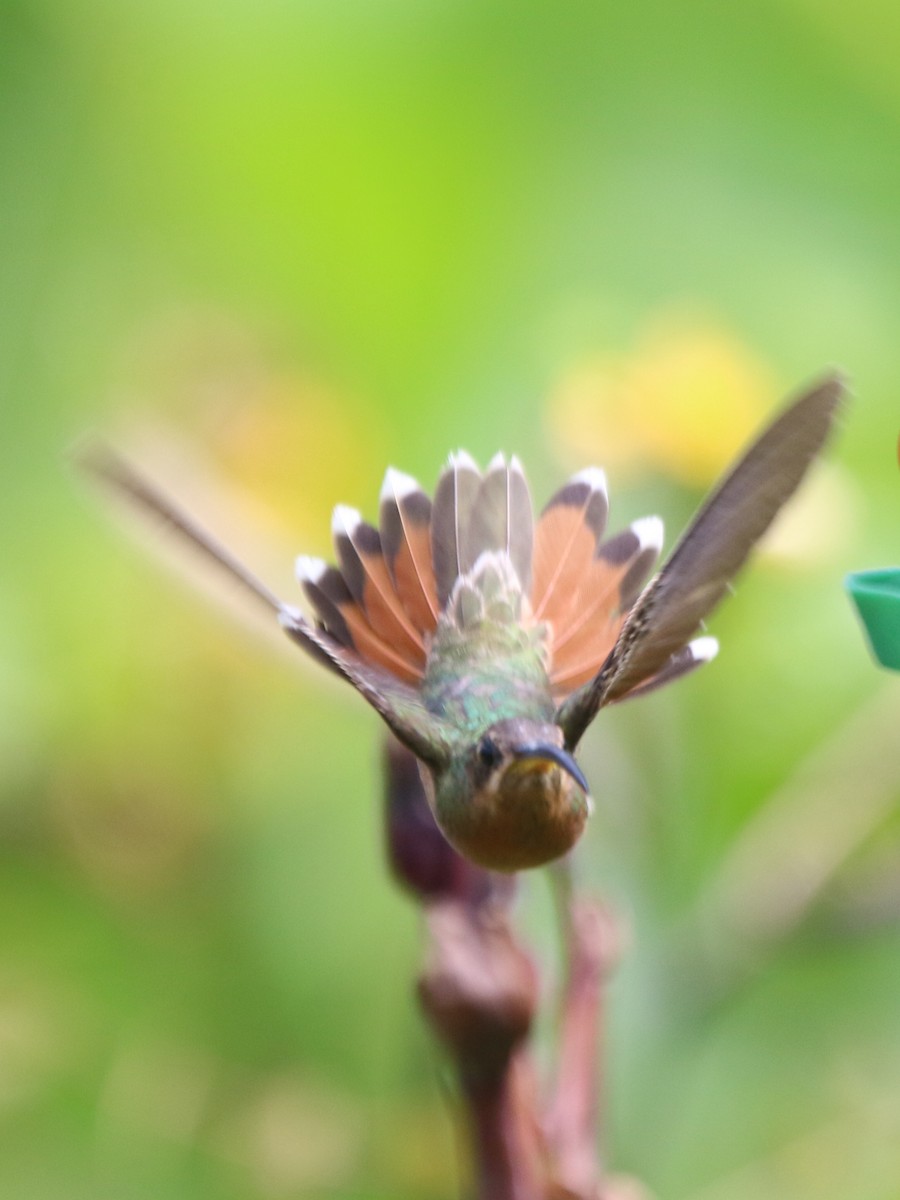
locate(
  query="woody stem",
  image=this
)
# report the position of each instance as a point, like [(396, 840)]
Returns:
[(478, 993), (592, 948)]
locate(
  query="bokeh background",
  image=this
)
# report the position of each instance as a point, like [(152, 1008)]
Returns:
[(270, 248)]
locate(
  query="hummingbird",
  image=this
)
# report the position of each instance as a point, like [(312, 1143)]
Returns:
[(488, 640)]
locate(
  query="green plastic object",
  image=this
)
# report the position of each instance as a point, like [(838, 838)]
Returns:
[(876, 595)]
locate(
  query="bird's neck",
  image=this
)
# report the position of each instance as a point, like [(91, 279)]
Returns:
[(485, 673)]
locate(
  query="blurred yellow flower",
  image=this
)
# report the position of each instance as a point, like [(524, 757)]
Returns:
[(288, 439), (297, 447), (681, 403)]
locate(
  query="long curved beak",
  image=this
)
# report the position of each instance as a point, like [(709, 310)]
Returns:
[(555, 754)]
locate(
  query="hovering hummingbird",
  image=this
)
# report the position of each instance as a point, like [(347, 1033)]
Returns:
[(488, 641)]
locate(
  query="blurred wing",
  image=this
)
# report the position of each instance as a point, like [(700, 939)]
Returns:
[(125, 482), (398, 704), (709, 554)]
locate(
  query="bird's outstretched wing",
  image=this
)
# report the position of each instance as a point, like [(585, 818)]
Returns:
[(399, 705), (711, 551)]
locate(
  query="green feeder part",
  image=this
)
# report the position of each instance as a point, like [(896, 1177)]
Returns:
[(876, 595)]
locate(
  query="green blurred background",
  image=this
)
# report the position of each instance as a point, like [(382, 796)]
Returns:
[(271, 248)]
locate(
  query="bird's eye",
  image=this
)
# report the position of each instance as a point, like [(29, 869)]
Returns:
[(488, 752)]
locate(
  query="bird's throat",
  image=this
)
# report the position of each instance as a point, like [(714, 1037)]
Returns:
[(536, 817)]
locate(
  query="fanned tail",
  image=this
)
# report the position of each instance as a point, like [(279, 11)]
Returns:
[(565, 540), (347, 622), (592, 611), (365, 572), (454, 498), (476, 554), (382, 599), (501, 519), (406, 542)]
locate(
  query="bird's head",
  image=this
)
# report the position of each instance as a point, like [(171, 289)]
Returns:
[(514, 798)]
